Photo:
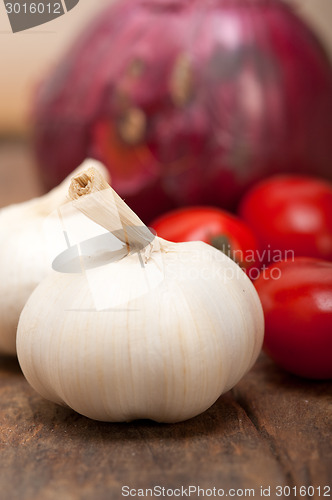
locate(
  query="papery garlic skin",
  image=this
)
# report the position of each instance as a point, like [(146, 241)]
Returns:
[(166, 354), (24, 258)]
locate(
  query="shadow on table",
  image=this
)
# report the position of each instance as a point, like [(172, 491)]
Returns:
[(10, 365), (50, 416), (268, 375), (221, 416)]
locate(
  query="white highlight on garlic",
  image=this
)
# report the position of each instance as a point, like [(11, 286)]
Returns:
[(181, 322), (24, 253)]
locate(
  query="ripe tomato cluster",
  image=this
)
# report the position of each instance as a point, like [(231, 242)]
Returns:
[(282, 239)]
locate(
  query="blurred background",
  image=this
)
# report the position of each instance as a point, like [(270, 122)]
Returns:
[(25, 57)]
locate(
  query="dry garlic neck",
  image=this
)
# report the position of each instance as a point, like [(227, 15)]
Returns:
[(94, 197)]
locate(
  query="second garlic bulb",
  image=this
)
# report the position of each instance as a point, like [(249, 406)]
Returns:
[(24, 256)]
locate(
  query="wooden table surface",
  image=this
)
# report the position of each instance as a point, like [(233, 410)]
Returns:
[(271, 430)]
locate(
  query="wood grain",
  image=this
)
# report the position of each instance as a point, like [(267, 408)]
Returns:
[(272, 429)]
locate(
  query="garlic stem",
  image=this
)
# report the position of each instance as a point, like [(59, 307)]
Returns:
[(94, 197)]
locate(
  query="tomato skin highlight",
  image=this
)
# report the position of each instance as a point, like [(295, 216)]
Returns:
[(210, 225), (297, 303), (291, 212)]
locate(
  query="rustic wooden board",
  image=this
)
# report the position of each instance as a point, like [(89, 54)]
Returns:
[(272, 429)]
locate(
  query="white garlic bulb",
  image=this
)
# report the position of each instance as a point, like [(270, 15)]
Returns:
[(153, 330), (24, 257)]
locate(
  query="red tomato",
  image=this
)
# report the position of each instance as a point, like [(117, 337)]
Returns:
[(211, 225), (297, 302), (291, 213)]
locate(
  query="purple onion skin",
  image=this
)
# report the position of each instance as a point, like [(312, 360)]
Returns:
[(188, 101)]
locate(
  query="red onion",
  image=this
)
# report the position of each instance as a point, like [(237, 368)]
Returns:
[(189, 101)]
